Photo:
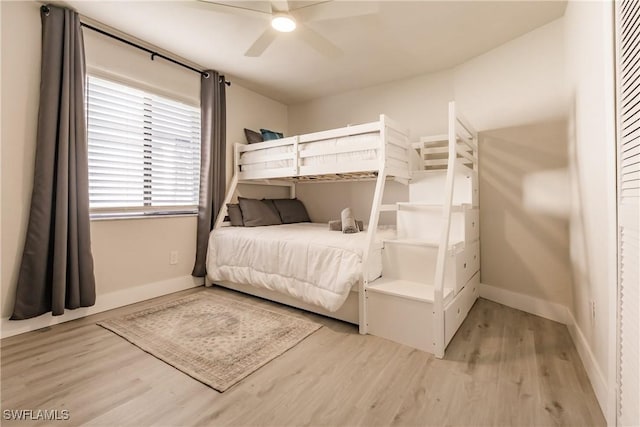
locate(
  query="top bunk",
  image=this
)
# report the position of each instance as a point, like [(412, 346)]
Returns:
[(355, 152)]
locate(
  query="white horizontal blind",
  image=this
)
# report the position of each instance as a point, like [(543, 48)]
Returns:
[(144, 151), (628, 65)]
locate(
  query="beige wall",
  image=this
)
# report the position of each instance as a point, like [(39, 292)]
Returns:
[(418, 103), (20, 84), (515, 95), (518, 83), (522, 251), (325, 201), (127, 253), (589, 47)]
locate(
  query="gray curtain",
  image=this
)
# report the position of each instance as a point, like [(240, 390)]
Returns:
[(56, 271), (213, 154)]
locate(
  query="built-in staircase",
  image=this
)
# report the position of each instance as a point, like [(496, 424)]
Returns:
[(431, 275)]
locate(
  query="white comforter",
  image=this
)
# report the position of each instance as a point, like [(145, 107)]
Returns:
[(305, 260)]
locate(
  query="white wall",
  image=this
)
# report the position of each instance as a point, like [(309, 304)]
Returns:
[(128, 254), (418, 103), (522, 251), (20, 86), (518, 83), (589, 53), (247, 109), (515, 95)]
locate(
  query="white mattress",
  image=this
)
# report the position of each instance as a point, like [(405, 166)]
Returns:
[(304, 260), (352, 140)]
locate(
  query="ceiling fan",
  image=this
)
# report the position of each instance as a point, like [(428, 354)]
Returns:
[(291, 16)]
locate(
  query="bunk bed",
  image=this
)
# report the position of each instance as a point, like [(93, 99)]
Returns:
[(377, 151)]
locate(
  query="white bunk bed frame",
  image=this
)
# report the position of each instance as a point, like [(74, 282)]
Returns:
[(459, 130), (376, 169)]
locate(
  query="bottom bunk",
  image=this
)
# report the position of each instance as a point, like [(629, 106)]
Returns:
[(303, 260), (347, 312)]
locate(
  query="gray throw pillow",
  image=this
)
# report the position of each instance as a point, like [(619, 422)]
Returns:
[(291, 211), (235, 214), (252, 136), (258, 212)]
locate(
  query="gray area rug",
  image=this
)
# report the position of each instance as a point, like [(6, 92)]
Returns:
[(216, 340)]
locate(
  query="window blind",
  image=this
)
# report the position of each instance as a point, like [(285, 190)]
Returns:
[(628, 82), (144, 151)]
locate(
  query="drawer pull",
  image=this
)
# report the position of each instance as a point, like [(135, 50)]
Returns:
[(465, 265)]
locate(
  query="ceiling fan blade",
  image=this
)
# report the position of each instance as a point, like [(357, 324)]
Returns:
[(261, 43), (335, 10), (318, 42), (280, 6), (232, 9)]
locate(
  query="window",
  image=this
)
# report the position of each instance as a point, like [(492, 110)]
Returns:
[(144, 151)]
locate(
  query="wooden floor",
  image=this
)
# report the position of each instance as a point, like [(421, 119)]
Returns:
[(504, 367)]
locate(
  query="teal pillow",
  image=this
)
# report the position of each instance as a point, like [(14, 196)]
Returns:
[(269, 135)]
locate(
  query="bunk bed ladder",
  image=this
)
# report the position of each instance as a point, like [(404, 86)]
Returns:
[(376, 208), (430, 270), (231, 190), (454, 150)]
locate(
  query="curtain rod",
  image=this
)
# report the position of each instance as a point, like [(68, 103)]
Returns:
[(45, 9)]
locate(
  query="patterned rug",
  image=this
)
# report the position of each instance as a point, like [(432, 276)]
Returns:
[(216, 340)]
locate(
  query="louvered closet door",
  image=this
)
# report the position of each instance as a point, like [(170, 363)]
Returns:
[(628, 50)]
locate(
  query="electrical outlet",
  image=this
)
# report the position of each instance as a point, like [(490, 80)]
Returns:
[(173, 257)]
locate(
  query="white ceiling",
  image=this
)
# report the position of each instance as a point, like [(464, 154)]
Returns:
[(405, 38)]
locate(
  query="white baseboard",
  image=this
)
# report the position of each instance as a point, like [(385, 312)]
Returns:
[(598, 381), (539, 307), (104, 302), (562, 314)]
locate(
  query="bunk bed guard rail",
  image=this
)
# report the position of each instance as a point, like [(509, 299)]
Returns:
[(357, 151)]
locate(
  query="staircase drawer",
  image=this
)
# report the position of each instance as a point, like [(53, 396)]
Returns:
[(467, 264), (457, 310), (472, 255), (471, 225)]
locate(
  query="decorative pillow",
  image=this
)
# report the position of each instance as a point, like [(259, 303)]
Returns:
[(235, 214), (252, 136), (268, 135), (258, 212), (291, 211)]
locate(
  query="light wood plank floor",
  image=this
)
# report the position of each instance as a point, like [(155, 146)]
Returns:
[(503, 367)]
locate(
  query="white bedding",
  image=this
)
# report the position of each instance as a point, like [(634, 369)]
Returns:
[(353, 140), (305, 260)]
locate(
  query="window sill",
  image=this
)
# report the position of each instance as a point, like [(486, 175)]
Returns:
[(123, 216)]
